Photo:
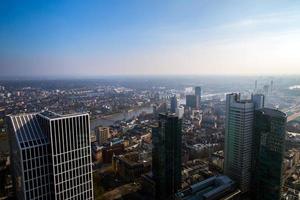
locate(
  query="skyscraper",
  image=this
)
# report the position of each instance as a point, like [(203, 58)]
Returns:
[(269, 148), (173, 104), (255, 87), (239, 138), (272, 86), (266, 89), (51, 156), (198, 96), (191, 101), (258, 100), (166, 156), (180, 111)]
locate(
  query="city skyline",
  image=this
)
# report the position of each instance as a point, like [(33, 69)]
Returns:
[(150, 139), (141, 38), (152, 100)]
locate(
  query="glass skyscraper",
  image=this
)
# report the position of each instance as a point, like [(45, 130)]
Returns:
[(269, 148), (51, 156), (173, 102), (191, 101), (239, 138), (166, 156), (198, 96)]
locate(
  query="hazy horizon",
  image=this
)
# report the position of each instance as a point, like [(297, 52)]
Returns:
[(90, 76), (149, 38)]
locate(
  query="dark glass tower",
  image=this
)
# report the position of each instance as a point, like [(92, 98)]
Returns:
[(268, 154), (166, 156), (198, 96), (173, 104), (198, 91), (191, 101)]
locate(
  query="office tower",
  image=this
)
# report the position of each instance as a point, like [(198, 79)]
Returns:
[(198, 97), (51, 156), (166, 156), (160, 108), (191, 101), (239, 138), (173, 104), (180, 112), (102, 134), (156, 96), (258, 100), (255, 89), (198, 91), (266, 89), (268, 155), (272, 85)]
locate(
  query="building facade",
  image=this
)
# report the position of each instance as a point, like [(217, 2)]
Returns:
[(51, 156), (166, 156), (109, 151), (130, 166), (173, 102), (191, 101), (269, 131), (198, 97), (180, 111), (239, 138), (102, 134)]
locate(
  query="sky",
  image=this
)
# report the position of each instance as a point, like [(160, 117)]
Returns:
[(149, 37)]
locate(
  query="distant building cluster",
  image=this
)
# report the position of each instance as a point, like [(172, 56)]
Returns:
[(193, 146)]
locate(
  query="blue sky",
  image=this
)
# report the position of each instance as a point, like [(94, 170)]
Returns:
[(94, 38)]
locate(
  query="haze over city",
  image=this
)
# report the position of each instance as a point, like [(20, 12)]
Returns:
[(149, 100), (96, 38)]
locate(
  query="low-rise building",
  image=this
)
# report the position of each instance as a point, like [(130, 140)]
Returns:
[(217, 159), (110, 151), (102, 134), (213, 188), (131, 165)]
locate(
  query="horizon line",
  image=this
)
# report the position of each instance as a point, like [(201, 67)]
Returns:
[(91, 77)]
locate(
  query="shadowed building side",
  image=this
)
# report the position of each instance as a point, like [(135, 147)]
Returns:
[(269, 132), (166, 156)]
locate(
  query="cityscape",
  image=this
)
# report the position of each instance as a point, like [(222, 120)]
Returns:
[(173, 141), (147, 100)]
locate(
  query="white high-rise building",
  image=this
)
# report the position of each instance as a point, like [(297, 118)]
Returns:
[(180, 111), (51, 156), (239, 137)]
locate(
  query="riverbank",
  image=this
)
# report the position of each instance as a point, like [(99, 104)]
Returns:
[(112, 115), (110, 119)]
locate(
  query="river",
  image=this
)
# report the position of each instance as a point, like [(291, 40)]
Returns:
[(111, 119)]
